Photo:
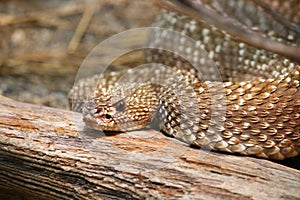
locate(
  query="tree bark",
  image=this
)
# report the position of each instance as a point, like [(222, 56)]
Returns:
[(46, 153)]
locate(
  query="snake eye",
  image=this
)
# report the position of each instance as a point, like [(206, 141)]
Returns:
[(120, 106)]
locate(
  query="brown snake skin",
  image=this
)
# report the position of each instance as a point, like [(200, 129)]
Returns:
[(254, 111)]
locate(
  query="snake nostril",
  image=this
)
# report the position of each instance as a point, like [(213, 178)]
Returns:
[(107, 116), (98, 110)]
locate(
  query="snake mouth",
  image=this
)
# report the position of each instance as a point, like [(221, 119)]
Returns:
[(99, 122)]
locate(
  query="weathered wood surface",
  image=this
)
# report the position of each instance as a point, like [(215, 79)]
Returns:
[(46, 154)]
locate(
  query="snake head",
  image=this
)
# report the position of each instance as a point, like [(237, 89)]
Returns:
[(117, 110)]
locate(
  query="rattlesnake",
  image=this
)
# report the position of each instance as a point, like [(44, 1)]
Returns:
[(254, 111)]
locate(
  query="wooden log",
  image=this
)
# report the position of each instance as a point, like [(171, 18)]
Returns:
[(46, 153)]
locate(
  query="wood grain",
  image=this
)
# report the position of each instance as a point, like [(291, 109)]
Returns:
[(46, 153)]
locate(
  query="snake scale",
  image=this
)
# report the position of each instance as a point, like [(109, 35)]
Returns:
[(254, 111)]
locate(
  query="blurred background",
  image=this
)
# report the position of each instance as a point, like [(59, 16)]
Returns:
[(43, 43)]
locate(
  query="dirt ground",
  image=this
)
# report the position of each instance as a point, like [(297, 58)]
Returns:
[(43, 43)]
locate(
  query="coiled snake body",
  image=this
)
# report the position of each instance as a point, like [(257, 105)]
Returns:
[(254, 111)]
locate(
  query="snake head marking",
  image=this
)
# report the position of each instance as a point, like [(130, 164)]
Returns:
[(121, 111)]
